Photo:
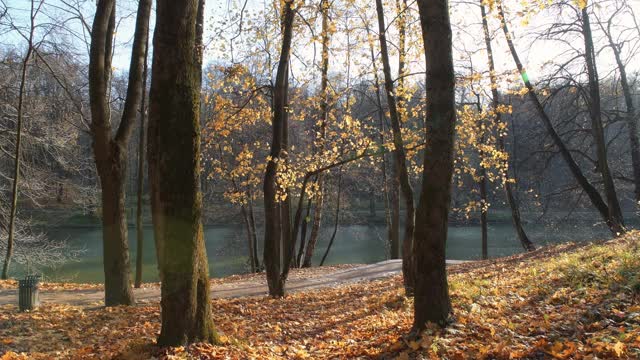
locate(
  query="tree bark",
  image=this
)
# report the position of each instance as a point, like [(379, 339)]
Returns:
[(482, 184), (614, 226), (303, 234), (432, 303), (337, 222), (250, 236), (140, 192), (277, 218), (324, 115), (400, 157), (110, 151), (495, 103), (597, 127), (174, 174), (252, 224)]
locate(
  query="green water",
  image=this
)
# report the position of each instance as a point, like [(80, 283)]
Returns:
[(226, 246)]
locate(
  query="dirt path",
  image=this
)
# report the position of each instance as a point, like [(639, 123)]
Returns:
[(252, 287)]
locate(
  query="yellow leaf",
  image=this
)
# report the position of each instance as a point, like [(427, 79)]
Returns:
[(619, 348)]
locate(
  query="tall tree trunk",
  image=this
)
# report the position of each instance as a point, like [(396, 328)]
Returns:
[(303, 234), (250, 236), (400, 156), (432, 303), (324, 117), (337, 222), (174, 173), (117, 281), (252, 224), (390, 188), (484, 226), (495, 104), (315, 224), (632, 121), (482, 184), (17, 153), (394, 199), (597, 127), (614, 225), (110, 151), (274, 219), (140, 192)]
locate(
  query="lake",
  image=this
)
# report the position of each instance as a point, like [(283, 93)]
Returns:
[(226, 246)]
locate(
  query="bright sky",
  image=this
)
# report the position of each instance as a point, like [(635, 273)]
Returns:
[(465, 18)]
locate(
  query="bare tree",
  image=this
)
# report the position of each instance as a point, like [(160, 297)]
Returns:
[(632, 121), (495, 103), (614, 225), (34, 10), (110, 151)]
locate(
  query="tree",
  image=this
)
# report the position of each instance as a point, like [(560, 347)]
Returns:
[(174, 173), (141, 163), (400, 158), (595, 111), (324, 114), (278, 242), (632, 122), (110, 151), (35, 8), (495, 104), (432, 303), (596, 199)]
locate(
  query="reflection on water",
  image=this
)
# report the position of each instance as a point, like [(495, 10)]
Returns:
[(354, 244)]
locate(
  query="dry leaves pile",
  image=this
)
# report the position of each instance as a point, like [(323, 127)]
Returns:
[(566, 302)]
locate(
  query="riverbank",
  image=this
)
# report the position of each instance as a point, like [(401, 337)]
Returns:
[(571, 301)]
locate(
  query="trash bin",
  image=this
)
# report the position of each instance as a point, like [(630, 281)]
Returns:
[(28, 292)]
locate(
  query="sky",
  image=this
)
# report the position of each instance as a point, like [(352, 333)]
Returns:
[(465, 19)]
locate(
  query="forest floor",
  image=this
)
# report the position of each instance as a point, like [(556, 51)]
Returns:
[(572, 301)]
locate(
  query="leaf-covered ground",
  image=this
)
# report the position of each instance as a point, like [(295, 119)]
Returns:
[(564, 302)]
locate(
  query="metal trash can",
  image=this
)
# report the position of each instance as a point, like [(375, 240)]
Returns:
[(28, 297)]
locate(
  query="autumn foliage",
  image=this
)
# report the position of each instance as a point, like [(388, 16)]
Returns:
[(565, 302)]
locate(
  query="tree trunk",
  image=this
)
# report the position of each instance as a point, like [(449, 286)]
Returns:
[(337, 222), (597, 128), (482, 184), (117, 281), (483, 214), (324, 115), (303, 234), (632, 122), (252, 224), (394, 199), (432, 303), (110, 151), (16, 168), (140, 192), (495, 103), (593, 194), (400, 156), (174, 174), (277, 213), (250, 236), (315, 225), (391, 204)]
